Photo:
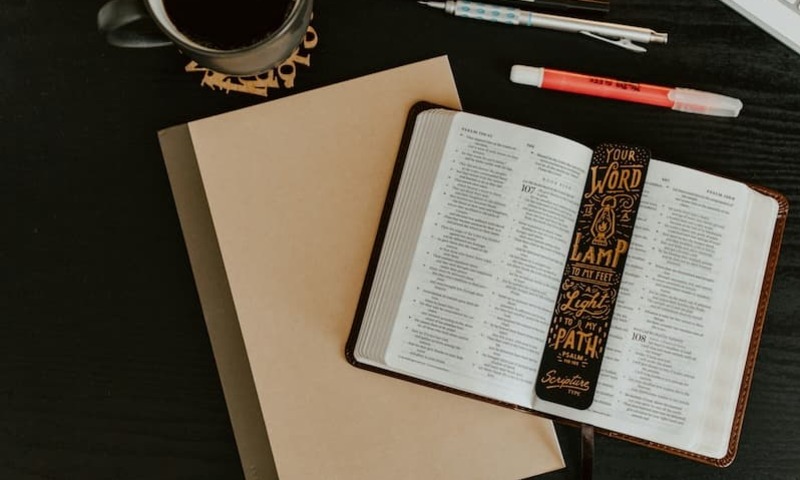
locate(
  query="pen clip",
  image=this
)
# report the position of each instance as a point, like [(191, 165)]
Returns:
[(620, 42)]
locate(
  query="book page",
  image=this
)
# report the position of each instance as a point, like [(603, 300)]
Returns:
[(739, 323), (425, 149), (483, 280), (475, 250), (664, 346)]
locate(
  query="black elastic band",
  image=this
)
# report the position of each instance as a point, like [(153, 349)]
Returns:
[(587, 451)]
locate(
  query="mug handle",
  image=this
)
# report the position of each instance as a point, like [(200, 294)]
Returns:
[(126, 23)]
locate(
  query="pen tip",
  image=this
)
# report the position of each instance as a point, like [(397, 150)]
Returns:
[(439, 5)]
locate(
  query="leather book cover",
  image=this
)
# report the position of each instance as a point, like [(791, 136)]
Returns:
[(744, 390)]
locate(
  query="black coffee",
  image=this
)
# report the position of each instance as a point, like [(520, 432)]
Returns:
[(227, 25)]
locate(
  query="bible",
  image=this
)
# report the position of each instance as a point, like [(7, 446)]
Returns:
[(470, 258)]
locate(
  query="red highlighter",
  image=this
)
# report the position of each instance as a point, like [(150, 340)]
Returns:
[(681, 99)]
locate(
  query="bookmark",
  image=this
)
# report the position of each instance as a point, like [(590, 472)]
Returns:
[(585, 305)]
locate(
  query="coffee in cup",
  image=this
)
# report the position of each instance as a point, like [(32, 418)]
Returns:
[(245, 37), (227, 25)]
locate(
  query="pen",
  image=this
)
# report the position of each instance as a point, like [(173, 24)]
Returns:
[(620, 35), (681, 99), (587, 6)]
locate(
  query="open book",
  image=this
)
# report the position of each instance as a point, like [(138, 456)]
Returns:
[(469, 259)]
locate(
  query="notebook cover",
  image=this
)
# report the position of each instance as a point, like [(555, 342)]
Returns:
[(747, 376), (279, 203)]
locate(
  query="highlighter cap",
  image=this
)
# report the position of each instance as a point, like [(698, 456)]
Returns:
[(527, 75), (706, 103)]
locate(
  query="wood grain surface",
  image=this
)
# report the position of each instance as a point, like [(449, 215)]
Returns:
[(105, 366)]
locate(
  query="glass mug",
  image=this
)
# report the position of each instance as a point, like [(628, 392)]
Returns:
[(256, 37)]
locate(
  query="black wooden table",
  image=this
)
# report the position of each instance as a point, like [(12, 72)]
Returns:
[(105, 366)]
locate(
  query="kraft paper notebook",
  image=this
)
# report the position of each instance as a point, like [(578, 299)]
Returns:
[(279, 204), (505, 252)]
